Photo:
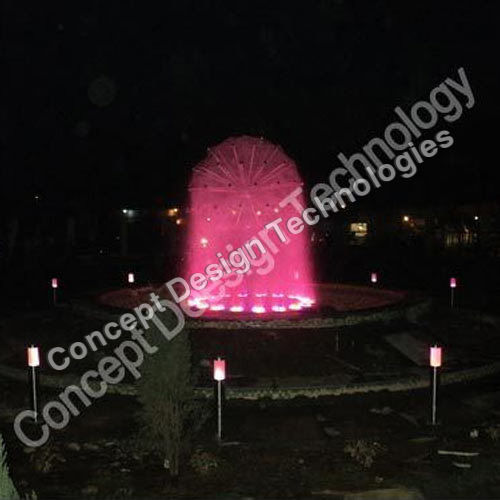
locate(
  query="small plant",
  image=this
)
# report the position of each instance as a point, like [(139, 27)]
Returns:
[(7, 488), (204, 462), (364, 452), (493, 432)]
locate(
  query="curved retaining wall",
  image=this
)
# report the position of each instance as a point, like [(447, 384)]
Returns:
[(256, 393)]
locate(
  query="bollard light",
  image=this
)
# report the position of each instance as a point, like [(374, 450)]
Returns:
[(219, 369), (33, 363), (131, 278), (55, 283), (435, 357), (435, 361), (453, 283), (373, 278), (33, 356), (219, 376)]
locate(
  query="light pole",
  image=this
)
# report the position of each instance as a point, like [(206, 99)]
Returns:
[(453, 285), (219, 376), (435, 363), (55, 286), (33, 362)]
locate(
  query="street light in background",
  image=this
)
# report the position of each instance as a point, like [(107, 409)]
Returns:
[(219, 376)]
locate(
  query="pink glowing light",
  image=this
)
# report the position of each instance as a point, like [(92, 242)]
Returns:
[(217, 307), (232, 194), (374, 278), (453, 283), (306, 300), (236, 309), (33, 356), (258, 309), (278, 308), (55, 283), (435, 357), (219, 369)]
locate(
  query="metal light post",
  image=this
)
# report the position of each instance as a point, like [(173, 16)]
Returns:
[(55, 286), (219, 376), (435, 362), (453, 285), (33, 362)]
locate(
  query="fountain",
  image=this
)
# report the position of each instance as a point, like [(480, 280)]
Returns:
[(235, 191), (242, 275)]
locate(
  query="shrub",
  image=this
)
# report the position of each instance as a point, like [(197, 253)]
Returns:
[(364, 452), (170, 414), (7, 488), (204, 462)]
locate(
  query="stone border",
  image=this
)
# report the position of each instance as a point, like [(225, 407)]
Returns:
[(409, 310)]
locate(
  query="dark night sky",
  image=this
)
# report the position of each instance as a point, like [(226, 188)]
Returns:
[(111, 103)]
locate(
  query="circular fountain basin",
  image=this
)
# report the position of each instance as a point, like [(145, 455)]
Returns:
[(334, 305)]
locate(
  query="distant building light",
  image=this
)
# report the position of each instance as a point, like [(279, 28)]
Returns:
[(178, 221), (406, 218), (172, 212), (374, 278), (476, 217), (124, 211), (131, 278), (54, 283), (360, 229), (453, 282)]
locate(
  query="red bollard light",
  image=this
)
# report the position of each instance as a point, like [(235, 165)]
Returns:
[(453, 285), (55, 285), (435, 357), (435, 360), (33, 356), (33, 363), (219, 376), (219, 369)]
